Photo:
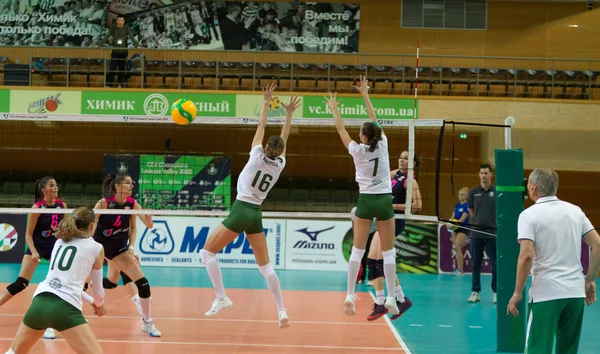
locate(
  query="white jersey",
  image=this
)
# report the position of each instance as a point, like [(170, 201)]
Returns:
[(372, 168), (258, 176), (70, 264)]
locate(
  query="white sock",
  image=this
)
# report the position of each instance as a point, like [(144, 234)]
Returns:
[(353, 268), (272, 279), (214, 272), (135, 298), (10, 351), (399, 293), (146, 309), (380, 300), (389, 270)]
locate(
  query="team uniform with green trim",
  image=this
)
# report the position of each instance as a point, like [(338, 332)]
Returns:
[(557, 292), (256, 180), (57, 300), (373, 178)]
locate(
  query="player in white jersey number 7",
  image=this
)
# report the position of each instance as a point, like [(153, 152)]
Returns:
[(258, 177), (372, 163)]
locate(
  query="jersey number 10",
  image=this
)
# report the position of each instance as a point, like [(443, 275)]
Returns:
[(65, 258), (265, 182)]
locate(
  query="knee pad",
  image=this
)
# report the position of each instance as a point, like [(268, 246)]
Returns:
[(266, 270), (125, 278), (19, 285), (379, 266), (107, 284), (389, 256), (374, 272), (85, 287), (143, 288), (207, 256), (356, 255)]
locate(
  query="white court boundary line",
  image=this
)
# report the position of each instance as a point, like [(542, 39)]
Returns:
[(199, 319), (392, 328), (150, 341)]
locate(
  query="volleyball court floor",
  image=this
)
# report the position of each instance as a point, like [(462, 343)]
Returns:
[(441, 321)]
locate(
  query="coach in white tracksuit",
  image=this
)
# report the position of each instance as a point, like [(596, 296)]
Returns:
[(550, 234)]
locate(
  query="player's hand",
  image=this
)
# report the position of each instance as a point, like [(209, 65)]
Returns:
[(332, 100), (136, 258), (268, 92), (35, 256), (148, 218), (293, 105), (364, 86), (590, 292), (513, 303), (99, 311)]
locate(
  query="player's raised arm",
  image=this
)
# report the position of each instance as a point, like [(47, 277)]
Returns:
[(289, 109), (262, 122), (364, 91), (339, 123)]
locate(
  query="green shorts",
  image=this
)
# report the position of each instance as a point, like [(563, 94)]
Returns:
[(50, 311), (244, 217), (558, 320), (377, 206)]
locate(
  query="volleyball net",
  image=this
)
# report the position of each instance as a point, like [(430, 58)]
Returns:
[(186, 177)]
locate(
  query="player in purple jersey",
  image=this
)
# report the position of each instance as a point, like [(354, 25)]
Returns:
[(39, 237), (117, 233)]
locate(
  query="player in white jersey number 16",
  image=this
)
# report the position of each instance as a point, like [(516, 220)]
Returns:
[(256, 179)]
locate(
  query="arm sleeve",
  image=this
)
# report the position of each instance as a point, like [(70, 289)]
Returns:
[(132, 37), (97, 289), (470, 203), (87, 298), (353, 148), (586, 225), (525, 228)]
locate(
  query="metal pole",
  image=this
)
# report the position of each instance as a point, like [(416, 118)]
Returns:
[(508, 132)]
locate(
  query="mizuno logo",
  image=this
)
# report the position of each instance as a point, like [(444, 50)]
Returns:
[(313, 234)]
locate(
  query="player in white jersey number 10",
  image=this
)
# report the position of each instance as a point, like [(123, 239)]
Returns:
[(256, 180), (372, 163), (58, 298)]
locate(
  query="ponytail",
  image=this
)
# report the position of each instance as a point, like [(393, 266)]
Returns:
[(75, 225), (39, 184), (372, 131)]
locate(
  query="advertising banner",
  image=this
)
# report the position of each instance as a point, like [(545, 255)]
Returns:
[(180, 24), (315, 245), (46, 102), (176, 182), (177, 241), (354, 107), (212, 108), (12, 237), (447, 255)]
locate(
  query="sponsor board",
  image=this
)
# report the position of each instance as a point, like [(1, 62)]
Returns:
[(177, 241), (316, 245), (12, 237), (45, 102)]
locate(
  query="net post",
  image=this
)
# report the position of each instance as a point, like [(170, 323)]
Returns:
[(411, 168), (508, 133), (510, 332)]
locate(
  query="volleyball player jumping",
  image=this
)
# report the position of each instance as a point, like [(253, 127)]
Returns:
[(117, 234), (255, 181), (375, 260), (58, 298), (372, 163), (39, 237)]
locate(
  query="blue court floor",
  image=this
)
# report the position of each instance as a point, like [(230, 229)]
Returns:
[(441, 321)]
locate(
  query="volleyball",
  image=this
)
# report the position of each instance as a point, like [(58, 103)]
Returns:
[(183, 111)]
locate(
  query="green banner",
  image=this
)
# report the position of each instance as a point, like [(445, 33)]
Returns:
[(250, 106), (4, 100), (154, 104), (354, 107), (45, 102)]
